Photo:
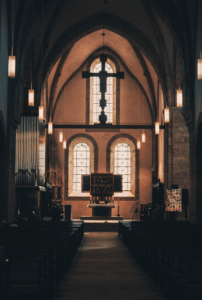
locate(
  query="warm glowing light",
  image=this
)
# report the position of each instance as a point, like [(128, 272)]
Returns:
[(11, 66), (61, 137), (64, 144), (166, 115), (40, 113), (50, 127), (157, 127), (31, 97), (179, 98), (199, 66), (143, 137), (138, 144)]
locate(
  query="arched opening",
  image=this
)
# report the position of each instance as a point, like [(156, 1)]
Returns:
[(81, 156)]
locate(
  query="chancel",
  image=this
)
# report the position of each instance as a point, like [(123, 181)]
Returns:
[(102, 188), (100, 145)]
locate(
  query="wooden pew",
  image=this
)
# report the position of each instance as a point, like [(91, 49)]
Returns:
[(166, 252), (53, 244), (27, 278)]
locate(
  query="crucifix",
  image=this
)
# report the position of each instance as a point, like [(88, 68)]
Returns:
[(103, 75)]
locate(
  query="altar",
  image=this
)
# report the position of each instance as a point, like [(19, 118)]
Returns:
[(101, 188), (101, 209)]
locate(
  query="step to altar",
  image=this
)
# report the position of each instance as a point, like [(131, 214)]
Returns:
[(101, 218), (101, 227), (111, 224)]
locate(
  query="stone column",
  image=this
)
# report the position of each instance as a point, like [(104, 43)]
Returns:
[(15, 101), (192, 191), (10, 203)]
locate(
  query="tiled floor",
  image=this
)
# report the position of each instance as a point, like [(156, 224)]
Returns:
[(103, 269)]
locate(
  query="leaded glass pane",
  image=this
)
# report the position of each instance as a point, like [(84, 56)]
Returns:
[(122, 164), (81, 157), (97, 95)]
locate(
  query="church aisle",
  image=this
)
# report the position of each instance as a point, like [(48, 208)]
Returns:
[(103, 269)]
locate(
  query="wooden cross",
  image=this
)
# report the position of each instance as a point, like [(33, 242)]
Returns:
[(103, 75)]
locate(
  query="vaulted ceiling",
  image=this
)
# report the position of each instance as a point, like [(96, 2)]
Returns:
[(149, 37)]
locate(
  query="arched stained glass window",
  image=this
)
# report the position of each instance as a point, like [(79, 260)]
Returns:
[(122, 164), (97, 95), (81, 164)]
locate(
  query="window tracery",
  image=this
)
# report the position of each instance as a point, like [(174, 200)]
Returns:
[(122, 164), (95, 95), (81, 162)]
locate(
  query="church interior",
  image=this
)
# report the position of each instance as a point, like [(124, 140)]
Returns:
[(101, 131)]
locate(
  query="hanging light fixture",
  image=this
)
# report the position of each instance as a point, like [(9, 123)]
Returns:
[(157, 128), (50, 127), (11, 65), (41, 113), (64, 144), (179, 98), (199, 66), (31, 91), (31, 96), (166, 115), (143, 137), (12, 58), (61, 137), (138, 144)]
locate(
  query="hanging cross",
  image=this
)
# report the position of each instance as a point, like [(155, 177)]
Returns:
[(103, 75)]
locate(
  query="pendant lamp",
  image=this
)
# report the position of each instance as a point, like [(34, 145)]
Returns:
[(166, 115), (11, 65), (50, 127), (61, 137), (64, 144), (199, 67), (31, 96), (179, 98), (41, 113), (138, 144), (143, 137), (157, 128)]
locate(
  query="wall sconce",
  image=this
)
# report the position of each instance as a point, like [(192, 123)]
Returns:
[(64, 144), (138, 144)]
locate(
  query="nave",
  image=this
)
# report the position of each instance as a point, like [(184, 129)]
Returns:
[(104, 269), (60, 260)]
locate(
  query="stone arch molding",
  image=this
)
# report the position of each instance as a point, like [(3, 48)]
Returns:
[(116, 59), (112, 23), (71, 143)]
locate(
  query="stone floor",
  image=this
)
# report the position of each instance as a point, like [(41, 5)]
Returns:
[(103, 269)]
